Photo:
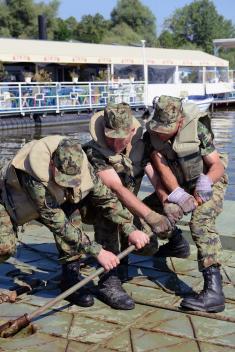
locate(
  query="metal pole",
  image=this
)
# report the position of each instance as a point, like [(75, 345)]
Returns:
[(11, 327), (143, 41)]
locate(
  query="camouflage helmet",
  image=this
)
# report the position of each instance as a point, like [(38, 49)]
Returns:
[(118, 120), (68, 158), (168, 111)]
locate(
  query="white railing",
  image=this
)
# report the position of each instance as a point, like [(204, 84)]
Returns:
[(35, 97)]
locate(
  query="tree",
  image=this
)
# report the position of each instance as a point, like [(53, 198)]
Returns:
[(228, 54), (122, 34), (198, 23), (138, 17), (3, 72), (65, 29), (50, 10), (91, 29), (72, 25), (61, 31), (19, 18), (166, 39), (4, 15)]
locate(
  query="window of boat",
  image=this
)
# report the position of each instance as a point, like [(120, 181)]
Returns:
[(190, 74), (129, 72), (216, 74), (161, 74)]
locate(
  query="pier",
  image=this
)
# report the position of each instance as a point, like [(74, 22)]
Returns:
[(157, 286), (223, 102)]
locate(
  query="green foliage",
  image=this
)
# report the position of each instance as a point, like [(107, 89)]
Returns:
[(91, 29), (102, 75), (74, 74), (71, 24), (138, 17), (166, 39), (3, 72), (42, 76), (65, 29), (193, 26), (18, 18), (4, 15), (197, 23), (61, 31), (228, 55), (121, 34)]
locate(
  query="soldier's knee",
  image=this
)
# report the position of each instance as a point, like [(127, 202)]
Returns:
[(197, 229)]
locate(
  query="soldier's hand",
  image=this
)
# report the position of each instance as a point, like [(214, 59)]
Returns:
[(107, 260), (8, 296), (187, 202), (138, 238), (158, 223), (203, 189), (173, 211)]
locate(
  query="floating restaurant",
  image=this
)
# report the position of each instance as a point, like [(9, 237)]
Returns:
[(87, 76), (157, 286)]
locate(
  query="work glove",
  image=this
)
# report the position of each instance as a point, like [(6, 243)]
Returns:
[(183, 199), (159, 224), (173, 211), (203, 188)]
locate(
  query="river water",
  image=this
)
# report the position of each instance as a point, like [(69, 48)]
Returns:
[(223, 124)]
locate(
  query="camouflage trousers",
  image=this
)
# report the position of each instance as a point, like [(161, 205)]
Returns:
[(203, 230), (202, 224), (108, 235), (7, 236)]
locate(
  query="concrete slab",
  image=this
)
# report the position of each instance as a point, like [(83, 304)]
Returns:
[(154, 325)]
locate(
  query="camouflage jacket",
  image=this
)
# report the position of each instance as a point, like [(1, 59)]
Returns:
[(65, 221), (206, 147), (204, 135), (100, 163)]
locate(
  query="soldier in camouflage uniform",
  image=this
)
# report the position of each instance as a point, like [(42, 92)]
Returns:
[(189, 172), (118, 155), (54, 181)]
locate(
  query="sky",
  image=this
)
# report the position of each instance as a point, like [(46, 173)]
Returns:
[(161, 8)]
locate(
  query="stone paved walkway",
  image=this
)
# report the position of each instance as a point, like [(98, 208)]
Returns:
[(155, 324)]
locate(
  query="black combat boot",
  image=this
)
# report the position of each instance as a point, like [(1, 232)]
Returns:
[(177, 246), (71, 276), (211, 298), (122, 270), (110, 291)]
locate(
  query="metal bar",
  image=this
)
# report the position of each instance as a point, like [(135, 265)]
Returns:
[(20, 98), (197, 313), (90, 100), (76, 287), (56, 97)]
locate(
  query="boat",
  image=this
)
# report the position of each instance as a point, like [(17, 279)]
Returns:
[(202, 101), (134, 75)]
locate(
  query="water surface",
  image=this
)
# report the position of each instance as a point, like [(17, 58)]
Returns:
[(223, 124)]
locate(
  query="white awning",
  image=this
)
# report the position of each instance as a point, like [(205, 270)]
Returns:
[(40, 51), (224, 43)]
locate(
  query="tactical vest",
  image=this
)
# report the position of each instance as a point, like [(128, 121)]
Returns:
[(128, 165), (183, 154), (34, 159)]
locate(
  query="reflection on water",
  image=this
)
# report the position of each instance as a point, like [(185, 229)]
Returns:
[(12, 140), (223, 124)]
